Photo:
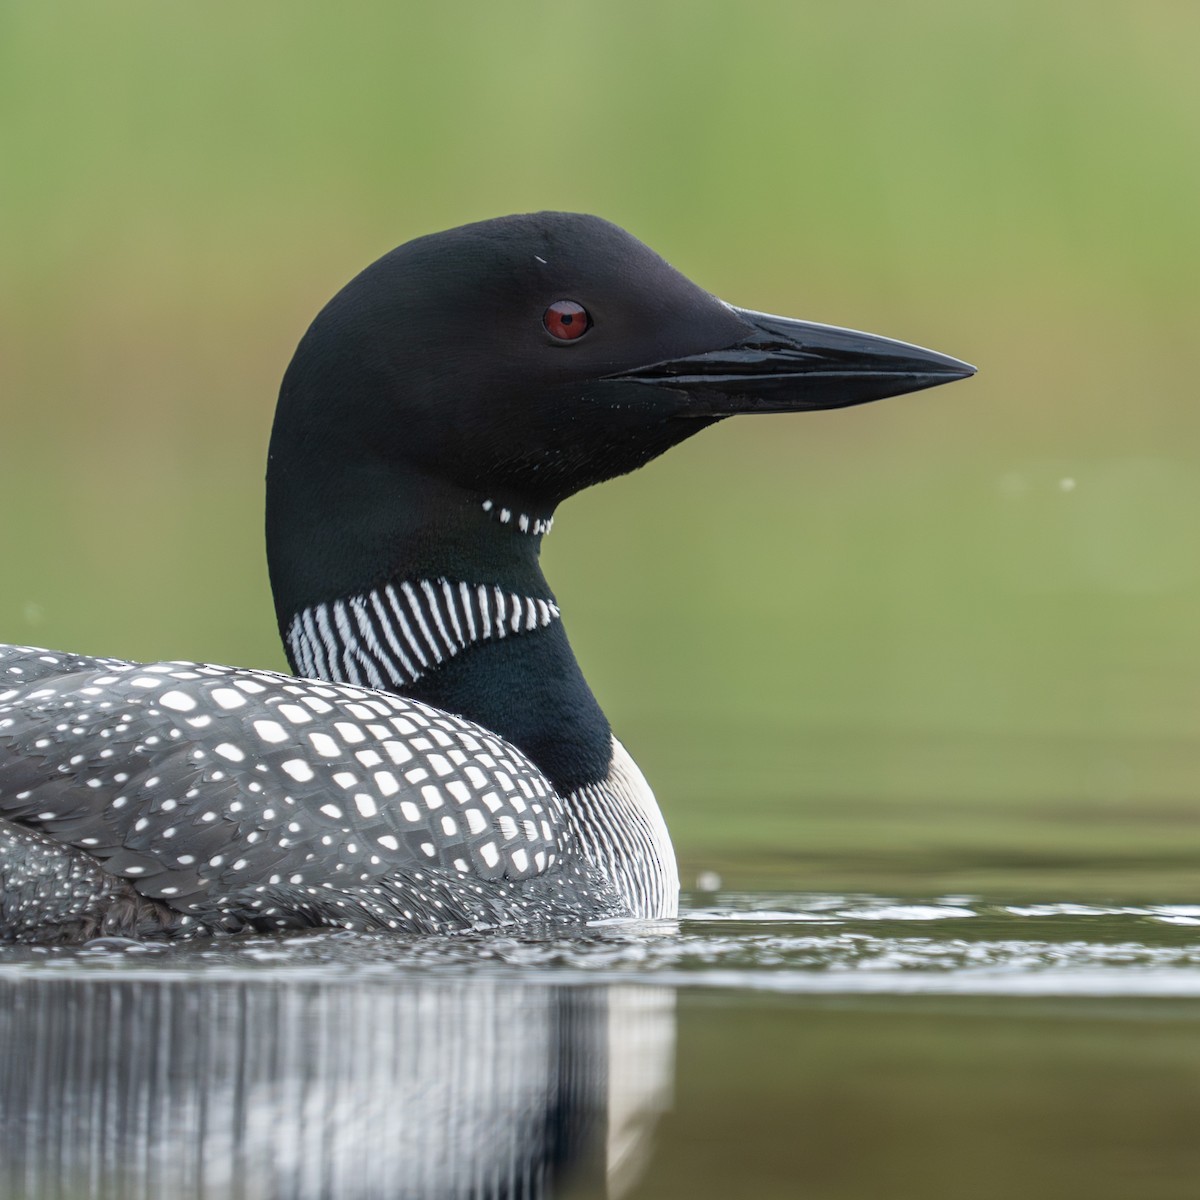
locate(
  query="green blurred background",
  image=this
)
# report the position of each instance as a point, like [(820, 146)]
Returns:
[(946, 642)]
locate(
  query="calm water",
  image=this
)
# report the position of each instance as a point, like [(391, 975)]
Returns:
[(768, 1045)]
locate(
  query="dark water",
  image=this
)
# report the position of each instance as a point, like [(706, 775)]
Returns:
[(768, 1045)]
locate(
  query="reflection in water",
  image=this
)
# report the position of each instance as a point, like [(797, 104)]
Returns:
[(345, 1067), (142, 1087)]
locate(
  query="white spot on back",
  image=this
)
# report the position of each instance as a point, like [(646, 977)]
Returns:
[(324, 745), (298, 769)]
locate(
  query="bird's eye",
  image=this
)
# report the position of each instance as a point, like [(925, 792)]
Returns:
[(566, 320)]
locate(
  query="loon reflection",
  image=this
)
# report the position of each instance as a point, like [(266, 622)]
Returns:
[(143, 1087)]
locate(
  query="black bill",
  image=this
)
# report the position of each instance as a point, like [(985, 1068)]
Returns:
[(797, 366)]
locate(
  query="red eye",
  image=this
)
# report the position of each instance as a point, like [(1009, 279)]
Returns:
[(566, 320)]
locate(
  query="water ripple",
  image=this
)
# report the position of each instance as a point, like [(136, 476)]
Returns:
[(774, 942)]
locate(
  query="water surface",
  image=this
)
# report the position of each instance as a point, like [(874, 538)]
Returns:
[(767, 1045)]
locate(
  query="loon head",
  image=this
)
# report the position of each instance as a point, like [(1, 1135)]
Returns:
[(503, 366)]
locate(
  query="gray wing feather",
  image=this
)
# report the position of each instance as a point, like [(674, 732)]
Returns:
[(200, 783)]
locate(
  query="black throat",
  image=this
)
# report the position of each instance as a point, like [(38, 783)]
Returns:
[(438, 594)]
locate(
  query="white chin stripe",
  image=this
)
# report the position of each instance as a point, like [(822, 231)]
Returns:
[(523, 522)]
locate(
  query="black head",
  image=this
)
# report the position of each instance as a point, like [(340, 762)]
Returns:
[(441, 355), (524, 359)]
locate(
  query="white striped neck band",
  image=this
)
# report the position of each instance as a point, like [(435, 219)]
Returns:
[(391, 636), (518, 520)]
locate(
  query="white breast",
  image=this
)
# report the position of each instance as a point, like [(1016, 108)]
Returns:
[(623, 834)]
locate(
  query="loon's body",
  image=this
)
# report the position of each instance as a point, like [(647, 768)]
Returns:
[(438, 762)]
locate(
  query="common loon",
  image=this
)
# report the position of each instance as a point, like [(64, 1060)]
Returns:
[(438, 762)]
